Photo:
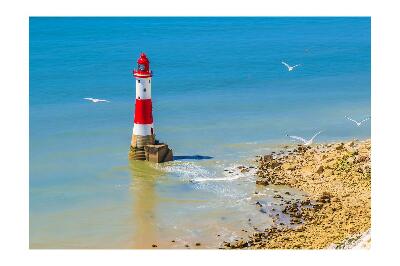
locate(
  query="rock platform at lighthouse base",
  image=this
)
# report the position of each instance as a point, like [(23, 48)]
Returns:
[(147, 148), (137, 146), (158, 153)]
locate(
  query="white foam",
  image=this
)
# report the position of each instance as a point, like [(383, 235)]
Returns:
[(213, 179), (234, 170), (188, 170)]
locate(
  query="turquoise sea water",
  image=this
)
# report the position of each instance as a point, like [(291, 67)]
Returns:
[(219, 90)]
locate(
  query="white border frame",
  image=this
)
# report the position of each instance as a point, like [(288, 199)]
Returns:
[(15, 136)]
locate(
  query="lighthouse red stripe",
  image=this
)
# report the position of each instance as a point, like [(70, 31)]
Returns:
[(143, 111)]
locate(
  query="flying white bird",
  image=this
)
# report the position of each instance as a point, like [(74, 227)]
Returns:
[(290, 68), (357, 122), (305, 142), (96, 100)]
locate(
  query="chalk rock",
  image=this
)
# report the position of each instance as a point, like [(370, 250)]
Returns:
[(350, 160), (307, 170), (288, 166), (328, 172)]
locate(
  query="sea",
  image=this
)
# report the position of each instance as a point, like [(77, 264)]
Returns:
[(221, 96)]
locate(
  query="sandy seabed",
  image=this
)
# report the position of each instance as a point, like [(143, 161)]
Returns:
[(336, 210)]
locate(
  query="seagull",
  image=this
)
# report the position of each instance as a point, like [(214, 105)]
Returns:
[(358, 123), (96, 100), (290, 68), (305, 142)]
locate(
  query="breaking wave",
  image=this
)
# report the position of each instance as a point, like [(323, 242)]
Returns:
[(196, 173)]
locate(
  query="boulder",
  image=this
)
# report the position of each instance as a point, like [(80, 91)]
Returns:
[(320, 169), (350, 144), (267, 157), (339, 146), (263, 182)]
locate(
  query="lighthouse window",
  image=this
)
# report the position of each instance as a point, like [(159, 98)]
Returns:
[(149, 81), (138, 81), (141, 67), (144, 89)]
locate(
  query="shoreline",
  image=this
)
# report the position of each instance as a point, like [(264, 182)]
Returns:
[(336, 210)]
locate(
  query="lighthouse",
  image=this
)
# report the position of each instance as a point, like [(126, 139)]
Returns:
[(143, 144)]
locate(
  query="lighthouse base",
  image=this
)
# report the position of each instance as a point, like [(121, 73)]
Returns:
[(146, 148), (159, 153), (137, 146)]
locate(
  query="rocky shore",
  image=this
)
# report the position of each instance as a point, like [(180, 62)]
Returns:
[(336, 209)]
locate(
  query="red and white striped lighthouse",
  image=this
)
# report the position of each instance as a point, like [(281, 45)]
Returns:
[(143, 127)]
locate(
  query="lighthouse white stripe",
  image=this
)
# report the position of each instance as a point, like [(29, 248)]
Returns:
[(142, 129), (143, 88)]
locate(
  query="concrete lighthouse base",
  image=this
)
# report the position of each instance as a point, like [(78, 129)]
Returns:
[(158, 153), (137, 146), (146, 148)]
